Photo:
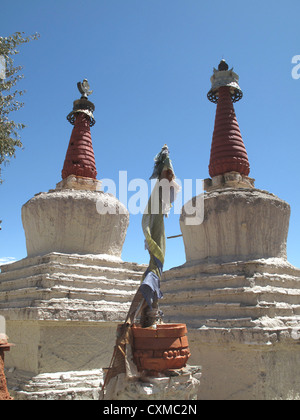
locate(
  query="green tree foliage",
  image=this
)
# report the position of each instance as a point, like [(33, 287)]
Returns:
[(10, 74), (10, 101)]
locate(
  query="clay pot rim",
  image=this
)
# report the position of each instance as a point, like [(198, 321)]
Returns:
[(8, 345), (161, 331)]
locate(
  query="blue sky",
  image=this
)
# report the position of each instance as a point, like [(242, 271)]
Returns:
[(149, 63)]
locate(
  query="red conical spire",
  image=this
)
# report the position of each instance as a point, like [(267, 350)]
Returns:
[(80, 159), (228, 152)]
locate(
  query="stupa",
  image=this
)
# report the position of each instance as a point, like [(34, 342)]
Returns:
[(237, 292), (62, 303)]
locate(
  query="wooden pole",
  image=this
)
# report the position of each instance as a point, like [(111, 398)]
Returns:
[(172, 237)]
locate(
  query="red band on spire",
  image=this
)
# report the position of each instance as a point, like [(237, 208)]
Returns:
[(228, 152), (80, 159)]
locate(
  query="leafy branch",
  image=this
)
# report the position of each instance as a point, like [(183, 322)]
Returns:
[(10, 100), (10, 97)]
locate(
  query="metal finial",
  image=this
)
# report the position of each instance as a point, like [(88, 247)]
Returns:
[(224, 77), (83, 104), (84, 88), (223, 66)]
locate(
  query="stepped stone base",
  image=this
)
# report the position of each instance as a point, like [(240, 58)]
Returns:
[(73, 385), (62, 311), (68, 287), (243, 320)]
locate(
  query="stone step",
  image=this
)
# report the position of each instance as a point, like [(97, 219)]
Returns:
[(68, 269), (250, 296), (129, 283), (57, 289), (266, 322), (73, 259), (64, 380), (84, 394), (76, 385), (66, 310), (276, 280), (230, 323), (35, 298), (272, 266), (217, 281), (44, 281), (60, 292), (194, 315), (204, 282)]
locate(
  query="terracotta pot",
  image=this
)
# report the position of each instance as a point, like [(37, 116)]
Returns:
[(159, 349), (4, 394)]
